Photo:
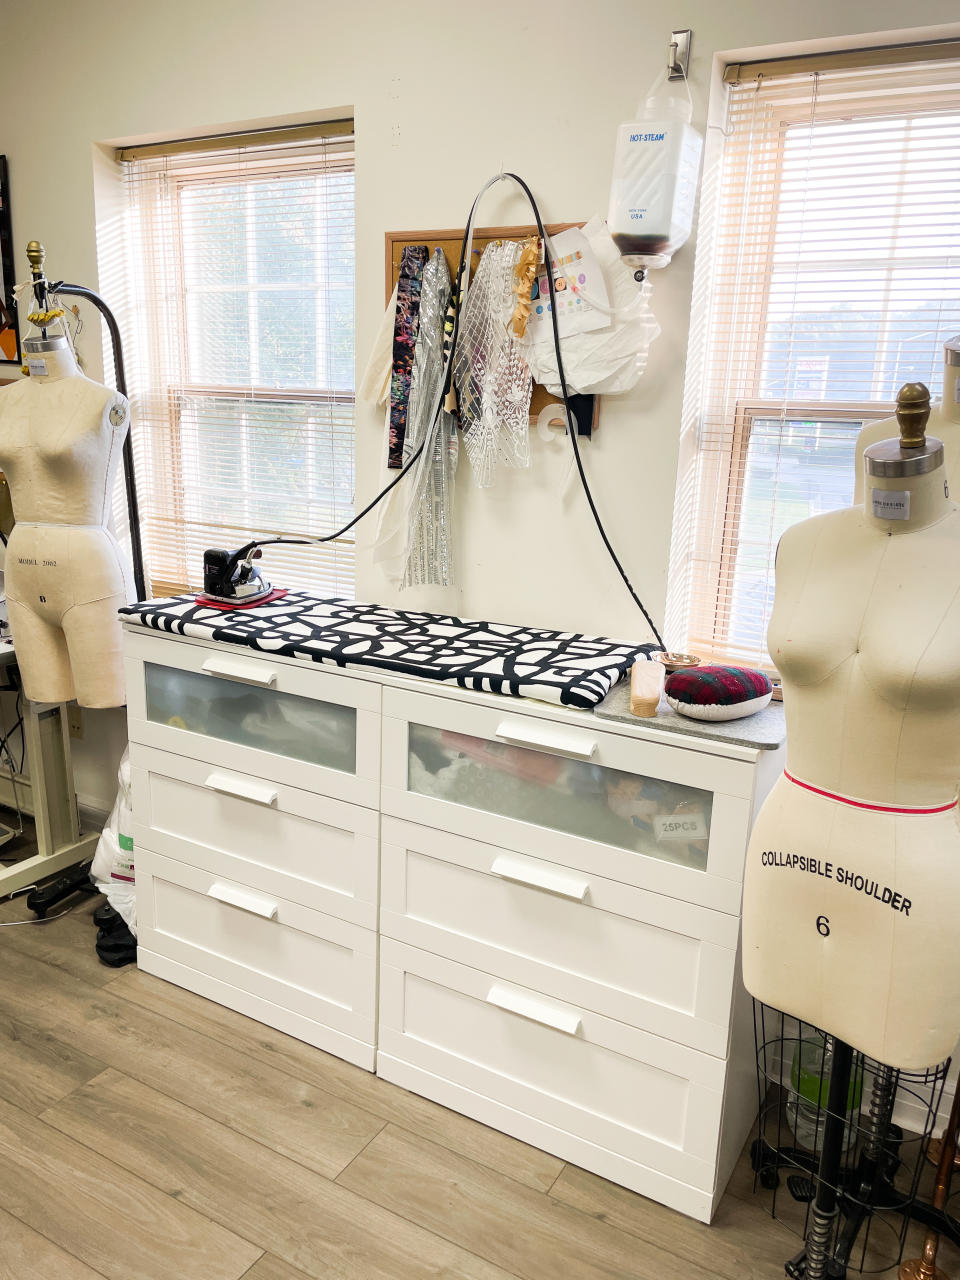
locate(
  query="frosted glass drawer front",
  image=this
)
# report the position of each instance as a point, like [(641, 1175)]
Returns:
[(321, 968), (256, 714), (642, 1097), (307, 848), (265, 719), (665, 818), (645, 959)]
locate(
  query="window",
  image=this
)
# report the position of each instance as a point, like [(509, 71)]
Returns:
[(241, 333), (828, 274)]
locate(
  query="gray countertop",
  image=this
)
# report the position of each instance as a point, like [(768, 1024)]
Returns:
[(765, 730)]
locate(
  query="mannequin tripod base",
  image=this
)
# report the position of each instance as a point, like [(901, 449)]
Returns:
[(857, 1173), (796, 1268)]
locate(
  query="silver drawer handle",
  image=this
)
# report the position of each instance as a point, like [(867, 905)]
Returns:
[(549, 1015), (546, 878), (246, 672), (244, 899), (242, 789), (547, 737)]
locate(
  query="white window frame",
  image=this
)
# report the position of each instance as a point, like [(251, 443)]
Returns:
[(715, 582)]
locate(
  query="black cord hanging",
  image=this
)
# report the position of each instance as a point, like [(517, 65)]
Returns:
[(244, 551)]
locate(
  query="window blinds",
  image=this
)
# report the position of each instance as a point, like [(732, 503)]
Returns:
[(828, 273), (240, 330)]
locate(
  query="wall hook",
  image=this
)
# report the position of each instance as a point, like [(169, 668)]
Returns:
[(678, 54)]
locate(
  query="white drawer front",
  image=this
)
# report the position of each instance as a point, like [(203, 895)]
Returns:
[(315, 965), (628, 1092), (246, 711), (665, 818), (310, 849), (647, 960)]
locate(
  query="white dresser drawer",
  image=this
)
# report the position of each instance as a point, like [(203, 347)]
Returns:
[(246, 711), (643, 1098), (665, 818), (276, 952), (645, 959), (310, 849)]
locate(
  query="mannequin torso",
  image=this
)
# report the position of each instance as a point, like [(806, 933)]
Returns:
[(60, 444), (849, 908), (56, 435)]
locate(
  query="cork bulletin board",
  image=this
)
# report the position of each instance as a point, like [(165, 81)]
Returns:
[(451, 241)]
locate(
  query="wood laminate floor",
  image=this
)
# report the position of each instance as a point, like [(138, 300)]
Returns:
[(147, 1134)]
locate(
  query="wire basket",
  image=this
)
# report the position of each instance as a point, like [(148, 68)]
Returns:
[(881, 1163)]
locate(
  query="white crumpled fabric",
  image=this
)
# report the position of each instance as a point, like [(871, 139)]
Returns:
[(113, 863), (608, 360)]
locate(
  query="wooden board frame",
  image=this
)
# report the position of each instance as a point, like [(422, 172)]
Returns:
[(450, 241)]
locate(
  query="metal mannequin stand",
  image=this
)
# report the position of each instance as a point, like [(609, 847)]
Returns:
[(852, 1174), (48, 794)]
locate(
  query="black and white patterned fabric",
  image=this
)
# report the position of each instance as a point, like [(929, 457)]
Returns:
[(526, 662)]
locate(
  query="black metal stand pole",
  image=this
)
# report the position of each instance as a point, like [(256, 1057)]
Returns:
[(870, 1170), (129, 476), (826, 1204)]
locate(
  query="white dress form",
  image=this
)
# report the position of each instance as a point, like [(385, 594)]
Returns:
[(849, 916), (61, 436)]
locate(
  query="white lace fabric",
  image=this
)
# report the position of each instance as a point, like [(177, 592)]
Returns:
[(492, 377)]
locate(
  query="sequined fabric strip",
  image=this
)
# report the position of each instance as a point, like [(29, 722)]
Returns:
[(406, 327), (430, 558)]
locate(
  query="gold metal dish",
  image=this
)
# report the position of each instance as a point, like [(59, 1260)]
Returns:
[(677, 661)]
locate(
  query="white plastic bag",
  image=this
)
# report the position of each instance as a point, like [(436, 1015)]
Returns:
[(113, 865), (607, 360)]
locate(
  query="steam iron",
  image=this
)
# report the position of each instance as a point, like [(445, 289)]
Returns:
[(233, 578)]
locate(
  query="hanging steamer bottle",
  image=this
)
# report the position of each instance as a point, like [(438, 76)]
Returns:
[(654, 187)]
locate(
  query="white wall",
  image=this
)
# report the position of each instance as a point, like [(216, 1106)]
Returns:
[(443, 94)]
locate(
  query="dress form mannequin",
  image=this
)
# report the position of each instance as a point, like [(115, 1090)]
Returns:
[(60, 440), (944, 423), (853, 867)]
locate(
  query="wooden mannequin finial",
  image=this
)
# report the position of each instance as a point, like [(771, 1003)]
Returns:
[(913, 410)]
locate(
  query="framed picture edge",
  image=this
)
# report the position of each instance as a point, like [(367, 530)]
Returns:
[(7, 269)]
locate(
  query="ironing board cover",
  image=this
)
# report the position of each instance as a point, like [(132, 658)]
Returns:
[(527, 662)]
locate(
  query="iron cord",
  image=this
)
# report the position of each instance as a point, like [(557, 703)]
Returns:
[(459, 287), (571, 420)]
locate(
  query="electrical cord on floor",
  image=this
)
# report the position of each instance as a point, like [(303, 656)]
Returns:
[(5, 738), (12, 924), (5, 750), (17, 725)]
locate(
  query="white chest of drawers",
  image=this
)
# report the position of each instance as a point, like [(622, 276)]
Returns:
[(524, 912)]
